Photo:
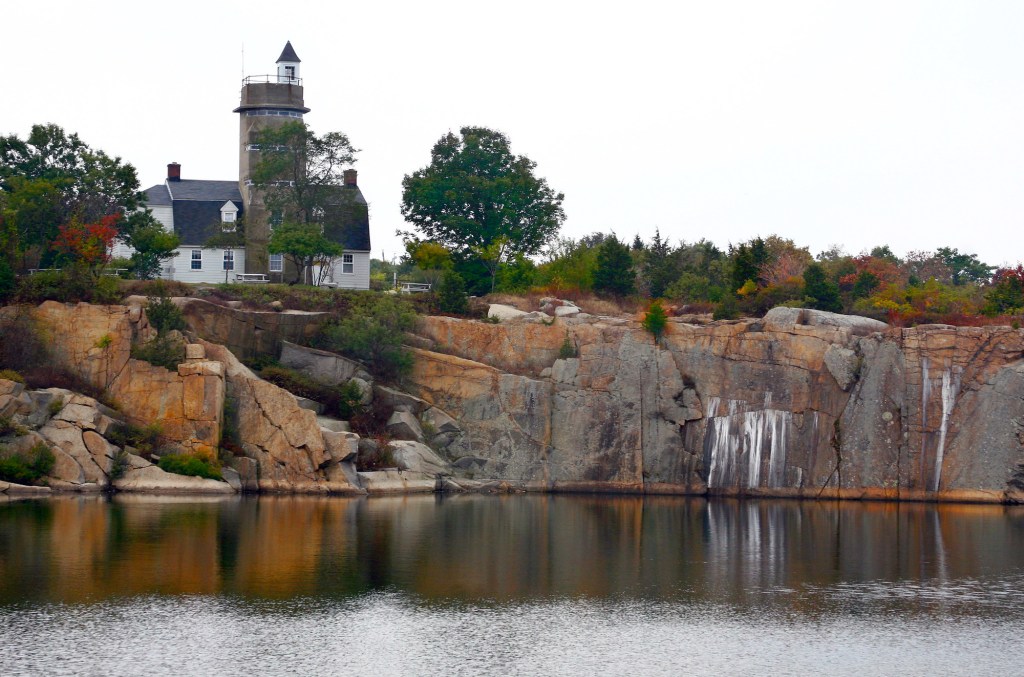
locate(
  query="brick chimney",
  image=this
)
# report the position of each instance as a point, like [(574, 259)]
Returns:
[(174, 172), (350, 177)]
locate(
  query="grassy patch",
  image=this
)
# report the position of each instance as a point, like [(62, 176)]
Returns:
[(192, 465)]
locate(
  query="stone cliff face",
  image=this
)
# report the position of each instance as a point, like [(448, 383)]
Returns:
[(797, 404)]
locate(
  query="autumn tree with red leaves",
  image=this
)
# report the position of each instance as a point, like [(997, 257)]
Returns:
[(88, 245)]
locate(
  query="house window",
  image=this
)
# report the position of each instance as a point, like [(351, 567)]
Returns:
[(290, 72), (227, 217), (229, 259), (348, 264), (276, 263), (197, 259), (276, 218), (318, 214)]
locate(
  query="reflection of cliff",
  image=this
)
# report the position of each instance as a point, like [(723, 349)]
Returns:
[(800, 403), (476, 548)]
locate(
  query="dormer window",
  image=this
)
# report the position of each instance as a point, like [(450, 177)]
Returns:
[(228, 215), (289, 72)]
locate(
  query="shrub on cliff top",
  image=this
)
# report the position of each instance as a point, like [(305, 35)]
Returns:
[(655, 319), (164, 315), (373, 335)]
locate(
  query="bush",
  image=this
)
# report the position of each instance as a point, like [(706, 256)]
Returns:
[(11, 375), (26, 468), (9, 427), (373, 335), (727, 309), (343, 401), (162, 351), (55, 406), (655, 319), (163, 315), (23, 344), (7, 280), (142, 438), (119, 465), (568, 349), (451, 294), (192, 465), (68, 286)]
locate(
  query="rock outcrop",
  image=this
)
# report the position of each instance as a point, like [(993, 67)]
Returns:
[(799, 403)]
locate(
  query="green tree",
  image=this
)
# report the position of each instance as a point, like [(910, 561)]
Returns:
[(614, 273), (748, 258), (152, 244), (475, 192), (54, 176), (659, 268), (451, 294), (305, 245), (655, 319), (431, 258), (964, 268), (821, 293), (299, 174), (373, 334)]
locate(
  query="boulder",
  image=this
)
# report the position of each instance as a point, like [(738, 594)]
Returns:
[(152, 479), (503, 312), (397, 482), (439, 421), (333, 424), (312, 405), (566, 311), (397, 400), (418, 457), (342, 446), (781, 319), (320, 365), (843, 364), (232, 477), (195, 351), (404, 426)]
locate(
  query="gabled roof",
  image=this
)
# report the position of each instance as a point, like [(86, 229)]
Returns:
[(191, 189), (350, 224), (289, 54), (196, 220), (157, 196)]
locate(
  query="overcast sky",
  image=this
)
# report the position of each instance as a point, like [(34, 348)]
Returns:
[(857, 123)]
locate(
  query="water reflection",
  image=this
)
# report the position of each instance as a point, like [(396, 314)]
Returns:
[(479, 549)]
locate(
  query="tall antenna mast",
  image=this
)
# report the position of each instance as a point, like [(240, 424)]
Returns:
[(243, 60)]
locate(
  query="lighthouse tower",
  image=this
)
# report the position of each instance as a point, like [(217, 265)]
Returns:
[(267, 101)]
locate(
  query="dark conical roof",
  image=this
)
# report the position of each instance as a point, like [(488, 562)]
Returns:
[(289, 54)]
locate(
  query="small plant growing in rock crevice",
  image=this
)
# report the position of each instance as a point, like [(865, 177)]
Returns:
[(568, 349), (11, 375), (55, 405), (119, 465), (9, 427)]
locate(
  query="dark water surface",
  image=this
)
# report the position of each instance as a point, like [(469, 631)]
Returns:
[(530, 585)]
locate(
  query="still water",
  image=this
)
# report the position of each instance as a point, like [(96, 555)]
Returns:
[(524, 585)]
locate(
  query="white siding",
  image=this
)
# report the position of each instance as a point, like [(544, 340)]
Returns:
[(212, 271), (359, 278), (165, 215)]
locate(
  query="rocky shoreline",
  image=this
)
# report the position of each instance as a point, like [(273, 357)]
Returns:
[(799, 404)]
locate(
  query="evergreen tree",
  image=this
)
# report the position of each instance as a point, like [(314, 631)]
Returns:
[(451, 294), (820, 292), (659, 266), (655, 319), (614, 272)]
